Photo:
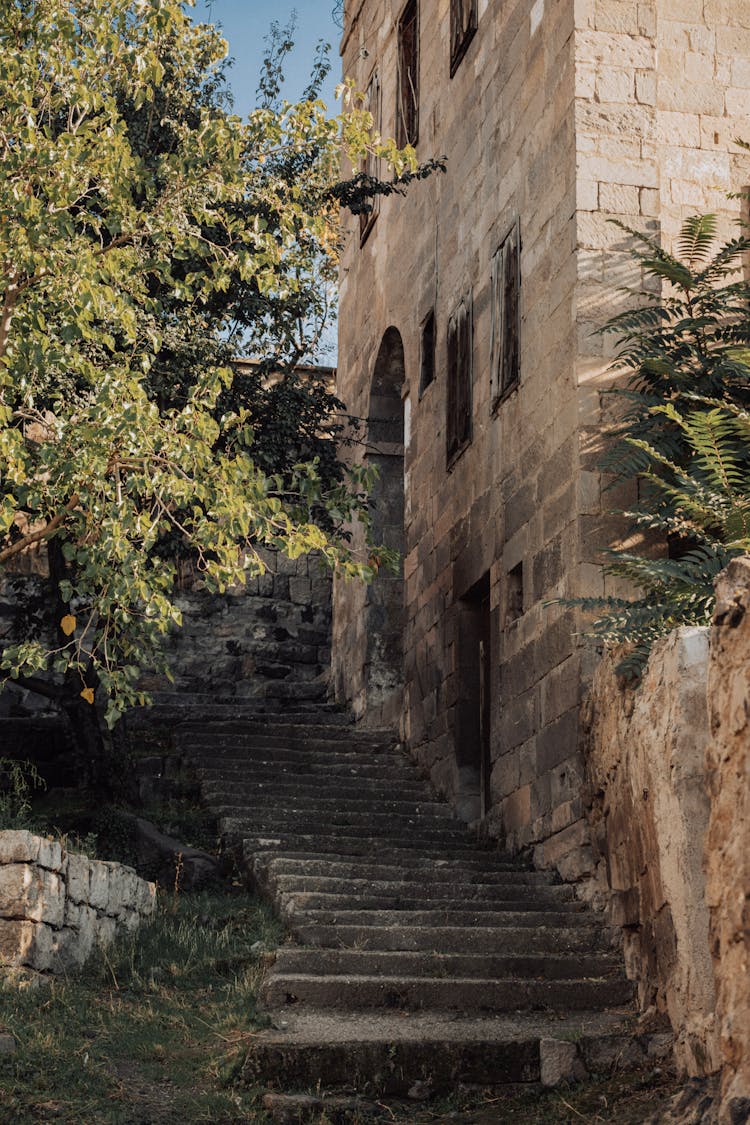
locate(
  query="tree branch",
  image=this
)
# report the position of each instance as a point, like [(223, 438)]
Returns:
[(41, 533)]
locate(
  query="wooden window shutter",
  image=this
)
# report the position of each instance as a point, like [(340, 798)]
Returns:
[(407, 108)]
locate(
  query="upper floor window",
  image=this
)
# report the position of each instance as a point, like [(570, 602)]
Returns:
[(505, 316), (463, 26), (371, 163), (407, 106), (459, 379), (427, 353)]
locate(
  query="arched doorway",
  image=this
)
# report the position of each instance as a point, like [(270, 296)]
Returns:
[(385, 597)]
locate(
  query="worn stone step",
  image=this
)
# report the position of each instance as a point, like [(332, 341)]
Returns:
[(488, 940), (498, 965), (373, 889), (421, 870), (347, 755), (439, 918), (308, 768), (385, 1054), (370, 825), (346, 844), (455, 994), (228, 800), (276, 727), (288, 782), (295, 902), (469, 856)]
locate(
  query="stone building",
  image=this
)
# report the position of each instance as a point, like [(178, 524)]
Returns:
[(469, 317)]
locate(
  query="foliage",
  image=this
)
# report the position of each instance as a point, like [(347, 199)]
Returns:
[(143, 229), (18, 780), (683, 438)]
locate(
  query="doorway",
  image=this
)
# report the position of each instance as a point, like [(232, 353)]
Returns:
[(474, 705)]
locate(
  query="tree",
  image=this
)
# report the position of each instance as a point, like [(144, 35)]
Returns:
[(139, 222), (684, 436)]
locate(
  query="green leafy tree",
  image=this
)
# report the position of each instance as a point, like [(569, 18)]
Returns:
[(140, 223), (683, 437)]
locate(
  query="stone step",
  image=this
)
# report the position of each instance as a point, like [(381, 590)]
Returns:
[(387, 1055), (288, 782), (348, 754), (385, 963), (295, 902), (470, 857), (373, 889), (347, 845), (452, 994), (275, 727), (423, 868), (437, 918), (228, 799), (488, 940), (368, 826), (310, 773)]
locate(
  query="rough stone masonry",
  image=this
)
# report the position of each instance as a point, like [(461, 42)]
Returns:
[(57, 907)]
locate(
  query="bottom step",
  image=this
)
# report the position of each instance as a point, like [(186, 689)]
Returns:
[(386, 1054)]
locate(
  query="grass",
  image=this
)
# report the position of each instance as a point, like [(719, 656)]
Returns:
[(149, 1034)]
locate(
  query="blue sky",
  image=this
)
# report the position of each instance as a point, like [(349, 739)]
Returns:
[(244, 23)]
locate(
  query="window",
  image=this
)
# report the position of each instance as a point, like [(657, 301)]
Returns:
[(505, 325), (458, 422), (407, 107), (371, 164), (427, 357), (514, 594), (463, 26)]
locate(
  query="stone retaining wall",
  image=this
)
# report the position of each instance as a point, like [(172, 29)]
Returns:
[(55, 908), (668, 769)]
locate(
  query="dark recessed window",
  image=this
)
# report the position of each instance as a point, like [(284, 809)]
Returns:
[(407, 107), (505, 316), (427, 355), (463, 27), (514, 594), (459, 379), (371, 164)]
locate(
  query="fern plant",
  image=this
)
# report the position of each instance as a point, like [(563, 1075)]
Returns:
[(684, 436)]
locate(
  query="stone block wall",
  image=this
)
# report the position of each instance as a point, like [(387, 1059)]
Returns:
[(56, 908), (565, 114), (275, 629)]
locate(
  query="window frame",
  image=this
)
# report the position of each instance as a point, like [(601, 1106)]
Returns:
[(461, 33), (371, 164), (459, 379), (505, 366), (404, 135)]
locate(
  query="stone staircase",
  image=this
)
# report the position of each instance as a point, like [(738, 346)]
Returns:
[(416, 953)]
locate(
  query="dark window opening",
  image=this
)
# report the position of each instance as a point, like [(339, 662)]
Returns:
[(427, 357), (407, 107), (463, 27), (514, 594), (506, 316), (459, 379), (371, 163)]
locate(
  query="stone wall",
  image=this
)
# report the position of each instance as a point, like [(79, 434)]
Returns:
[(646, 758), (563, 114), (728, 841), (56, 908), (668, 770), (274, 630)]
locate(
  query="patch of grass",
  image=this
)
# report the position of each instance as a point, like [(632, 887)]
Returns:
[(147, 1034)]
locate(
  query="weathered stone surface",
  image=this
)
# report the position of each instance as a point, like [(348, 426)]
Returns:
[(728, 841), (559, 1062), (20, 846), (51, 920), (646, 751)]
